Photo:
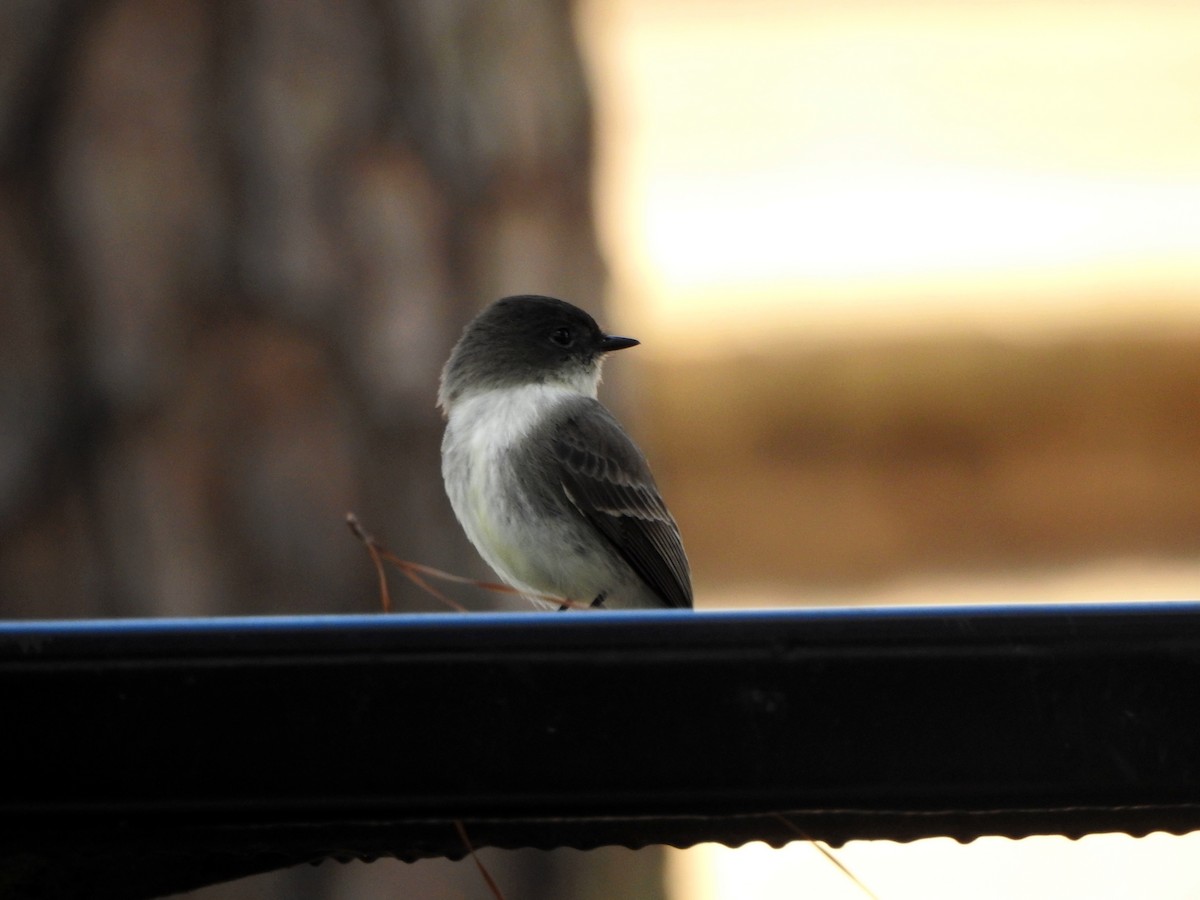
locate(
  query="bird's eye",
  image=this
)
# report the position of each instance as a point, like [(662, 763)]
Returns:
[(563, 337)]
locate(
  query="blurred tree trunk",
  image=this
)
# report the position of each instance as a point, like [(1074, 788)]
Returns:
[(237, 241)]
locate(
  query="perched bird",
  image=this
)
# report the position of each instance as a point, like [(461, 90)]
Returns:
[(547, 485)]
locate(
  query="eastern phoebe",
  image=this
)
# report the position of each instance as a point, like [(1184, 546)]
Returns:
[(549, 488)]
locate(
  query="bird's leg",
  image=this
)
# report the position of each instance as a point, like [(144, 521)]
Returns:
[(598, 603)]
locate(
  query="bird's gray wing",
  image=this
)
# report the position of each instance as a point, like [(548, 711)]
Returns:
[(606, 478)]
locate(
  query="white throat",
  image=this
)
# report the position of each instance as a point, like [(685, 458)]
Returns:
[(583, 384), (499, 417)]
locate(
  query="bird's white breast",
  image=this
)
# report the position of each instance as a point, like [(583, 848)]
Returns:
[(481, 432)]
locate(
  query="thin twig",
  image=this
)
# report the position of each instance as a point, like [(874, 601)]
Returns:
[(385, 597), (424, 585), (487, 876), (828, 854), (414, 572)]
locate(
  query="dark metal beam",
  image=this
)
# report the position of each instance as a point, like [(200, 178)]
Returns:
[(179, 752)]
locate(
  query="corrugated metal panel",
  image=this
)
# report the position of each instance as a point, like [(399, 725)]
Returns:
[(253, 743)]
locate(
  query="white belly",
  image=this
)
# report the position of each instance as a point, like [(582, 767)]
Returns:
[(480, 482)]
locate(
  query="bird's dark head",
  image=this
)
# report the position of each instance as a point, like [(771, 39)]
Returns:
[(528, 340)]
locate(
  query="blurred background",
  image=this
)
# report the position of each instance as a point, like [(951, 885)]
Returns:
[(918, 285)]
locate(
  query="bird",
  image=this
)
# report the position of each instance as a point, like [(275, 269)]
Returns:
[(547, 485)]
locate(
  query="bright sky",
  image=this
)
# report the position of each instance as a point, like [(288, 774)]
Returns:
[(898, 164)]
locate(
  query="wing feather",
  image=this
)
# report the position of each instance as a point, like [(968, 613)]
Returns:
[(606, 478)]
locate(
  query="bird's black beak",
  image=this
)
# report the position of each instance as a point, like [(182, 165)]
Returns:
[(611, 342)]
